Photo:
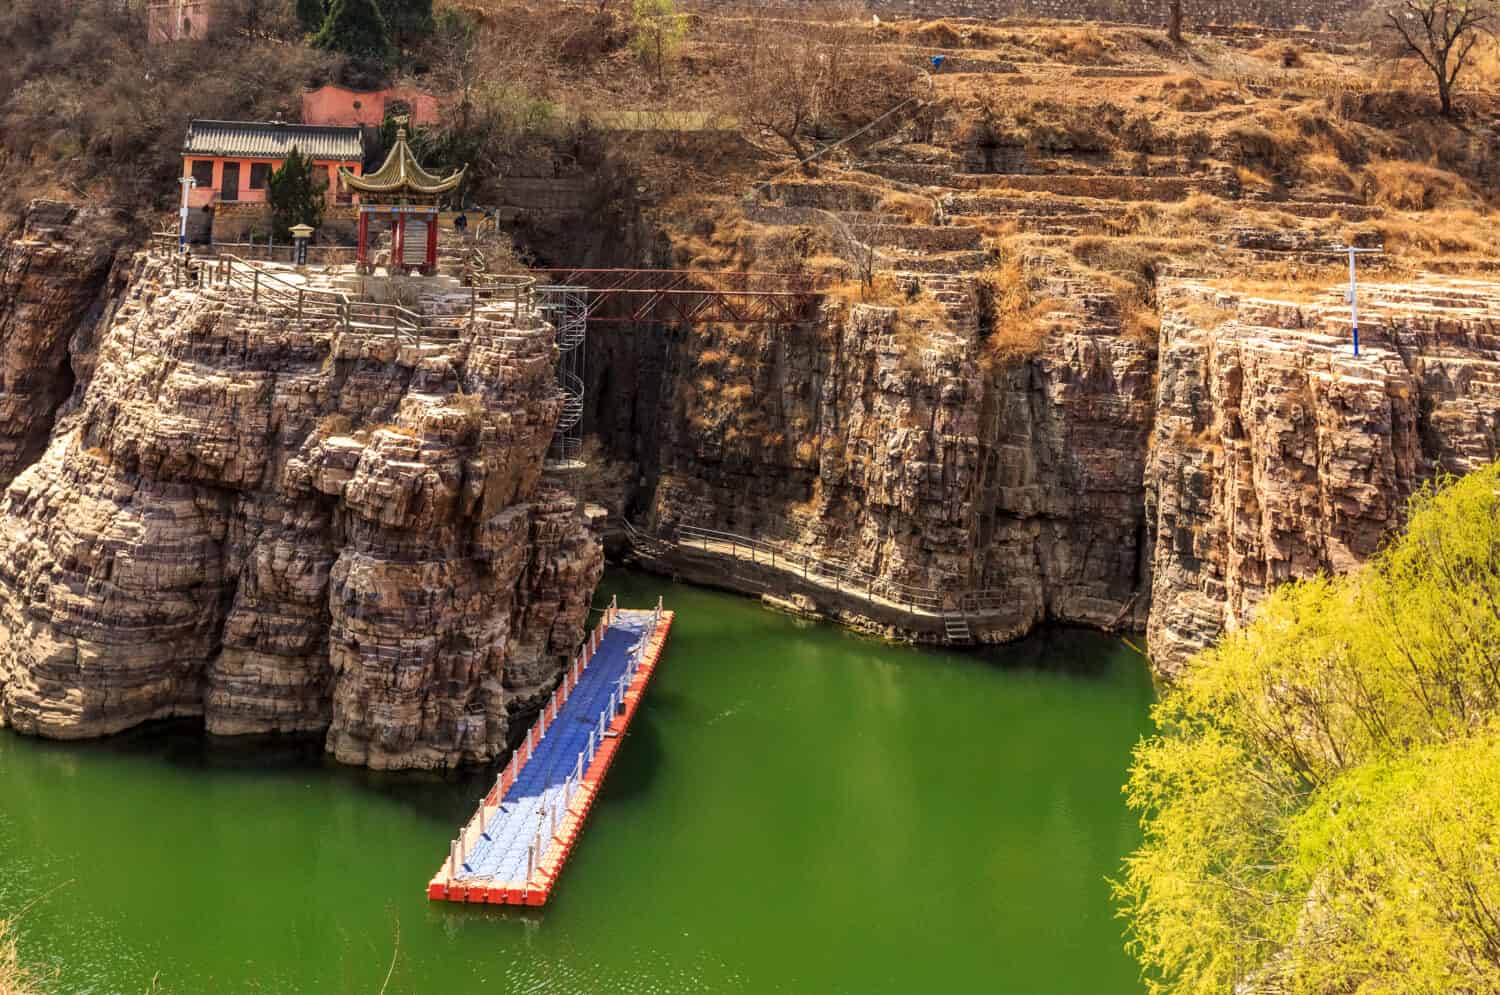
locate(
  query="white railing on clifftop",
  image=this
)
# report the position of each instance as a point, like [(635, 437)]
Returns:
[(265, 288)]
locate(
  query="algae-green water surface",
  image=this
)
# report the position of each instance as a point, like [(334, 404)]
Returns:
[(795, 810)]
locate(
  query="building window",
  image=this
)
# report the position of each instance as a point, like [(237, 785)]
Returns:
[(203, 172), (259, 172)]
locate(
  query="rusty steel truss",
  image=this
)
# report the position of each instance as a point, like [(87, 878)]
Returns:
[(694, 297)]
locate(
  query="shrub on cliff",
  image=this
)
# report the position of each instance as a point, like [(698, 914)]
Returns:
[(656, 33), (408, 21), (310, 13), (357, 29), (295, 194), (1321, 801)]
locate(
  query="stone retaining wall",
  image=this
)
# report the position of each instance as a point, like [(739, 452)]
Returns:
[(1270, 13)]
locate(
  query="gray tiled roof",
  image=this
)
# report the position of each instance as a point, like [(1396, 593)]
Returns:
[(270, 140)]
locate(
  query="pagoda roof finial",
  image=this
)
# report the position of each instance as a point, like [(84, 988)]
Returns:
[(401, 174)]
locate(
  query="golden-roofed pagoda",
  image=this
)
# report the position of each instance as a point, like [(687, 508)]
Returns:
[(406, 192)]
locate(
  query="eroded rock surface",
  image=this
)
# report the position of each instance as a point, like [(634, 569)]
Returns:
[(287, 525), (886, 442), (52, 272), (1279, 454)]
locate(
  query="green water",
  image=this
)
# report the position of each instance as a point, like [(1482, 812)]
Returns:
[(795, 810)]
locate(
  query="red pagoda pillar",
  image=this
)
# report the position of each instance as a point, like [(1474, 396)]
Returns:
[(364, 235), (398, 243), (432, 226)]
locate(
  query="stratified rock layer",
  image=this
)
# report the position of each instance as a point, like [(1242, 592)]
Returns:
[(51, 277), (1278, 454), (887, 443), (288, 526)]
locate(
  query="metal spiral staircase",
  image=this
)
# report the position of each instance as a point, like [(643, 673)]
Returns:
[(572, 410), (567, 308)]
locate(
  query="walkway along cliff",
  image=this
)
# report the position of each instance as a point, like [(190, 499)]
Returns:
[(920, 494), (286, 521)]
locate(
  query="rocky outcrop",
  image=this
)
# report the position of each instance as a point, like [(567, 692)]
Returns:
[(881, 439), (290, 525), (1069, 486), (52, 274), (1278, 454)]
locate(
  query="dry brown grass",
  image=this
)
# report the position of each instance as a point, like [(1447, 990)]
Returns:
[(1413, 186), (1464, 231), (15, 977), (883, 290), (1283, 54), (1023, 318), (1192, 94), (1295, 282), (1078, 46), (915, 209), (335, 424)]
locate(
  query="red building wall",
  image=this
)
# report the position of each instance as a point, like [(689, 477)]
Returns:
[(337, 105), (201, 195)]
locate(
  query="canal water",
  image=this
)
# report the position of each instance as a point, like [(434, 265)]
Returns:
[(796, 810)]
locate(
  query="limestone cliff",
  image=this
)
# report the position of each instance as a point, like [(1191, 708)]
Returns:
[(885, 442), (1094, 482), (1278, 454), (53, 273), (295, 525)]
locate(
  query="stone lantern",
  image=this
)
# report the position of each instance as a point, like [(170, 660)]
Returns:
[(300, 235)]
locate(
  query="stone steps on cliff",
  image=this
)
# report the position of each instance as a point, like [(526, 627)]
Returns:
[(939, 262), (922, 238), (827, 194), (1095, 186)]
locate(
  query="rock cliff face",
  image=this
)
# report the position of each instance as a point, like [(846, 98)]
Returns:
[(1069, 487), (53, 274), (288, 525), (1278, 454), (884, 442)]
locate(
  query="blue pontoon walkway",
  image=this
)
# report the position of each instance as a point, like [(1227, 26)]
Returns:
[(513, 849)]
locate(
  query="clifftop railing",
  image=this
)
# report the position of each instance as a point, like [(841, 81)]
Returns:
[(268, 289)]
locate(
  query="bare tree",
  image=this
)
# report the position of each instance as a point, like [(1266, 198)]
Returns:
[(1443, 34), (1174, 21), (801, 80)]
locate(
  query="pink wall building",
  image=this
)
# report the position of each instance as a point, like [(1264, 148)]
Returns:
[(340, 106), (232, 160)]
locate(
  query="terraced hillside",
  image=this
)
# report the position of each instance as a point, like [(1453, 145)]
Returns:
[(974, 414)]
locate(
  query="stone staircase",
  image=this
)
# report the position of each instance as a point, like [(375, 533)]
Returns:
[(956, 630)]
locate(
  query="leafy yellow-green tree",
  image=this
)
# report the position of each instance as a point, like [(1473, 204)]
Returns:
[(656, 32), (1321, 801)]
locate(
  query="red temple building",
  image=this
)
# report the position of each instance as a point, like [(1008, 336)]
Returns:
[(230, 161), (405, 193)]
